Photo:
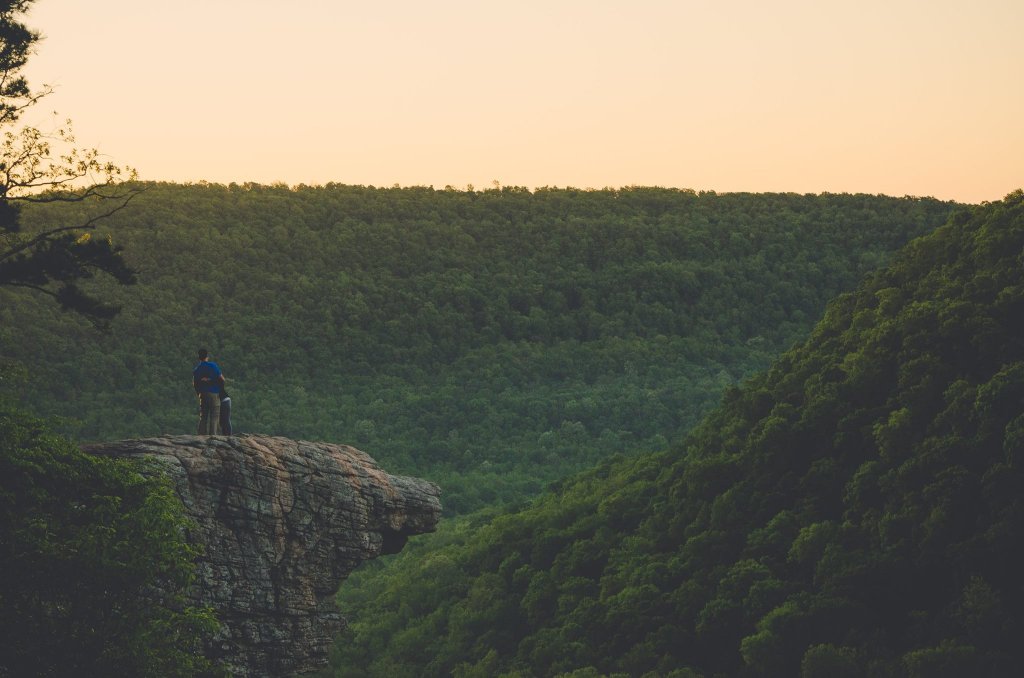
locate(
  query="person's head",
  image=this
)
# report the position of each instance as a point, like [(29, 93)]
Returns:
[(203, 354)]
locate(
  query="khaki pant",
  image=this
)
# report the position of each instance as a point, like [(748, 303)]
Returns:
[(209, 413)]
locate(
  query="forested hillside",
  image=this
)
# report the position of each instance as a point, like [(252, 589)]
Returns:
[(855, 510), (492, 340)]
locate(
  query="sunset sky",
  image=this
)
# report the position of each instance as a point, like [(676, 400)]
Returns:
[(902, 97)]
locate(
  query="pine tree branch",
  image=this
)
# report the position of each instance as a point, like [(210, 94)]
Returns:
[(47, 235)]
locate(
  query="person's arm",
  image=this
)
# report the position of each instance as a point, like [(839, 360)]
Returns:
[(200, 381), (216, 377)]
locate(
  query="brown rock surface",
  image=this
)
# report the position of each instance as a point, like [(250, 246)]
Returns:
[(282, 524)]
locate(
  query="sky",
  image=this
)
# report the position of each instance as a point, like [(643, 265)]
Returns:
[(900, 97)]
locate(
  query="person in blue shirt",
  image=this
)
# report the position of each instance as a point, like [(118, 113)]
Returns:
[(208, 381)]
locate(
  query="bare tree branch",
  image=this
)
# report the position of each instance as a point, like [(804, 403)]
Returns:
[(37, 288), (46, 167), (47, 235)]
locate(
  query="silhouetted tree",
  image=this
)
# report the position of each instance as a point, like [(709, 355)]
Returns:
[(37, 166)]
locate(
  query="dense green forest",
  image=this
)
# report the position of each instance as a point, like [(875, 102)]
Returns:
[(95, 563), (493, 341), (857, 509)]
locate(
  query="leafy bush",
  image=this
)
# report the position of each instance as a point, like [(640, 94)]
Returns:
[(94, 563)]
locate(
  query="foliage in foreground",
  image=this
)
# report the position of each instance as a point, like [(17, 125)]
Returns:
[(94, 561), (858, 509)]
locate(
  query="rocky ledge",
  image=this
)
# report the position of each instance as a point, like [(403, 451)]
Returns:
[(282, 523)]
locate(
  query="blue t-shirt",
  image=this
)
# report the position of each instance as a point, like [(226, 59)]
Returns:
[(206, 376)]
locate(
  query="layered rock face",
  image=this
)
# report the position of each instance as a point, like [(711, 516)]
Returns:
[(282, 523)]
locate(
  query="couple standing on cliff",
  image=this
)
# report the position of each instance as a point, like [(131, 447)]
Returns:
[(214, 401)]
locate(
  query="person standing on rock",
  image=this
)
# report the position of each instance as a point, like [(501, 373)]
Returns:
[(208, 381)]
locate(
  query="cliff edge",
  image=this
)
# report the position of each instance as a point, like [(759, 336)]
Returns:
[(282, 523)]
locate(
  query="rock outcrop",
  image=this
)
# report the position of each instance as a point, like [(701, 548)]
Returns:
[(282, 523)]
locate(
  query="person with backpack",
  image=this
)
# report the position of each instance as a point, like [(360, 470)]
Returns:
[(208, 382)]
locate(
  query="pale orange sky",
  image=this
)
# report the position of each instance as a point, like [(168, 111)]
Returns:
[(903, 97)]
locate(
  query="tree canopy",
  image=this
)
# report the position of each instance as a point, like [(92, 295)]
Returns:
[(16, 41), (856, 509), (493, 341), (95, 563)]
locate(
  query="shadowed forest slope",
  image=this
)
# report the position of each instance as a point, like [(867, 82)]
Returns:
[(492, 341), (857, 509)]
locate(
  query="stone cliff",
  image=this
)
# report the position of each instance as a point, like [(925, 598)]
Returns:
[(282, 523)]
